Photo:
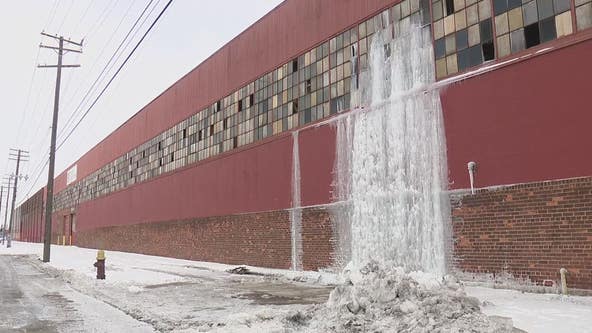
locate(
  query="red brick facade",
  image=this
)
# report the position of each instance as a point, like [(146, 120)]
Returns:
[(318, 239), (529, 231), (261, 239)]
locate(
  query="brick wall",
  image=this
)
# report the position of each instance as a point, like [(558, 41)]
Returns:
[(261, 239), (529, 231), (318, 239)]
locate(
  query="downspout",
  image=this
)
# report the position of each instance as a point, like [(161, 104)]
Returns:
[(472, 166), (562, 272)]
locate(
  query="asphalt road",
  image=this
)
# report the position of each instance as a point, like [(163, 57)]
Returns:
[(34, 301)]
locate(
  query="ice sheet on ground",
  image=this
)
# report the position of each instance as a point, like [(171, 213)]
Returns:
[(193, 296)]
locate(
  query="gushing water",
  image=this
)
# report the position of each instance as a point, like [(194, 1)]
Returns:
[(391, 159)]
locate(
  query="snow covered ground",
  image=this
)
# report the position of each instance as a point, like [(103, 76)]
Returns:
[(537, 312), (189, 296)]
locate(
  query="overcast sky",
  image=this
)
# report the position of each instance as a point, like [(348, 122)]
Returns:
[(187, 34)]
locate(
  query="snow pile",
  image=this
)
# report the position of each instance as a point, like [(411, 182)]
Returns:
[(383, 298)]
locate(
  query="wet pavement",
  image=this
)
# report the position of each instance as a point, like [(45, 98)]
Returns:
[(281, 293), (35, 301), (35, 297)]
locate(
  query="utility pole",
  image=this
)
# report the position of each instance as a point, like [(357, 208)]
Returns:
[(7, 186), (54, 127), (17, 155), (2, 195)]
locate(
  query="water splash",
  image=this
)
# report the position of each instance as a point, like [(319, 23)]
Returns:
[(393, 177)]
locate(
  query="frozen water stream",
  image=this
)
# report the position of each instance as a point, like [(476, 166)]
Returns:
[(394, 174), (391, 167)]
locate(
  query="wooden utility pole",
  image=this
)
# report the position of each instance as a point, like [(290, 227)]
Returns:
[(1, 196), (7, 186), (49, 201), (17, 155)]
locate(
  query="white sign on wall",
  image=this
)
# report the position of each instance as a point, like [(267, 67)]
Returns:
[(71, 175)]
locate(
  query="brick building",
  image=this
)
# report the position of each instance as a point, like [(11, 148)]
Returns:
[(206, 170)]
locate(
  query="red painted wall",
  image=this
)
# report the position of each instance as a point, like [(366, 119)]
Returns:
[(533, 129), (290, 29), (317, 158), (29, 226), (257, 179), (526, 122)]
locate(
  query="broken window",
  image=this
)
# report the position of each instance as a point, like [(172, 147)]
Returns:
[(531, 35), (449, 7), (488, 50)]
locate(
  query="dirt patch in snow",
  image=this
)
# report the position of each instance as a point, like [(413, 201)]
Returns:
[(242, 270), (169, 284)]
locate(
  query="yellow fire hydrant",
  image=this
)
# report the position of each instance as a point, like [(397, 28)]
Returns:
[(100, 265)]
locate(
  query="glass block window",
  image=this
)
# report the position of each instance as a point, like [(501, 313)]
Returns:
[(523, 24), (342, 50), (463, 35), (318, 82), (583, 14)]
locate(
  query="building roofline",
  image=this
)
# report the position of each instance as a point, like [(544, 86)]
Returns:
[(276, 8)]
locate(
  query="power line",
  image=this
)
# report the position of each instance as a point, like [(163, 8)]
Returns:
[(50, 18), (98, 79), (66, 16), (28, 98), (19, 156), (50, 177), (101, 17), (38, 174), (45, 80), (116, 73), (76, 74), (40, 166), (70, 78), (29, 140), (90, 3), (52, 15), (6, 165)]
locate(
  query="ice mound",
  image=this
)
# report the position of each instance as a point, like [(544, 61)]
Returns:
[(383, 298)]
